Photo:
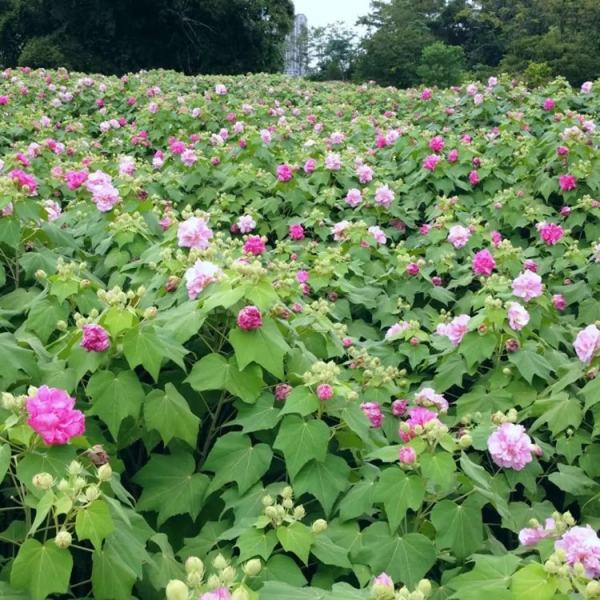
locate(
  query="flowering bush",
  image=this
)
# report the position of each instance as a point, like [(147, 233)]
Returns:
[(265, 339)]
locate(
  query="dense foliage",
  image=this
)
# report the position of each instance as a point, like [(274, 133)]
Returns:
[(116, 36), (264, 338), (408, 41)]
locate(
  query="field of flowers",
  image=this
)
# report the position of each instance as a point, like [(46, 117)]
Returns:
[(268, 339)]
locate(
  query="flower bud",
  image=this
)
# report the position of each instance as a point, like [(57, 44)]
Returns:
[(424, 586), (416, 595), (319, 526), (74, 468), (465, 441), (194, 565), (41, 275), (61, 325), (299, 512), (104, 472), (287, 492), (267, 501), (253, 567), (150, 312), (177, 590), (228, 575), (240, 594), (288, 503), (92, 493), (220, 562), (42, 481), (63, 539), (592, 589), (213, 582)]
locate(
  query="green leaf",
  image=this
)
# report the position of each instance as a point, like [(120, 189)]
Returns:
[(559, 412), (296, 538), (42, 569), (330, 553), (94, 523), (233, 458), (265, 346), (15, 360), (215, 372), (301, 441), (170, 486), (53, 460), (43, 316), (115, 397), (533, 581), (301, 401), (324, 480), (358, 501), (573, 480), (490, 577), (168, 413), (405, 559), (4, 460), (42, 509), (399, 492), (148, 347), (258, 417), (459, 527), (438, 468), (112, 578), (529, 363), (256, 542)]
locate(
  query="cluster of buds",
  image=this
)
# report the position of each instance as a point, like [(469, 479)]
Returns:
[(12, 403), (498, 418), (216, 586), (278, 512), (77, 490), (67, 270), (327, 261), (129, 223), (117, 297), (249, 271), (318, 308), (383, 589), (322, 372), (80, 320)]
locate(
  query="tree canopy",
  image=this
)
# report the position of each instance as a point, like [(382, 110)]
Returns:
[(116, 36)]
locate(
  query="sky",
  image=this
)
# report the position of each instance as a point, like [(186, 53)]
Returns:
[(322, 12)]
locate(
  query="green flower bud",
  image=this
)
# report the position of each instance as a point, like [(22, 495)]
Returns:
[(228, 575), (319, 526), (177, 590), (104, 472), (424, 586), (299, 512), (42, 481), (253, 567), (240, 594), (63, 539), (194, 565), (465, 441), (220, 562), (75, 468)]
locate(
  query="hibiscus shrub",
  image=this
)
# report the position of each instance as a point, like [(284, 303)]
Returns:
[(264, 338)]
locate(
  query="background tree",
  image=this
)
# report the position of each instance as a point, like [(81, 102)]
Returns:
[(331, 52), (442, 65), (114, 36)]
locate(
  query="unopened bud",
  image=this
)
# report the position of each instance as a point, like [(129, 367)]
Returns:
[(299, 512), (104, 472), (253, 567), (41, 275), (465, 441), (288, 503), (592, 589), (267, 501), (220, 562), (424, 586), (319, 526), (150, 312), (416, 595), (194, 565), (61, 325), (75, 468), (287, 492), (63, 539), (42, 481), (240, 594), (177, 590), (92, 493), (228, 575)]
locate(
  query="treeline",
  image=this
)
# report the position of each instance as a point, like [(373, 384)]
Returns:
[(441, 42), (116, 36)]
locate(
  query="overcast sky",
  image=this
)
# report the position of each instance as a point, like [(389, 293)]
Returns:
[(322, 12)]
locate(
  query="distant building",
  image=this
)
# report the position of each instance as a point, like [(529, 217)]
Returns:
[(296, 48)]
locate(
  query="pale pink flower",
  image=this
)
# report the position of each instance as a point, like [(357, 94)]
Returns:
[(53, 209), (194, 233), (518, 316), (458, 236), (199, 276), (189, 157), (396, 329), (364, 173), (559, 302), (587, 343), (581, 545), (378, 234), (455, 330), (339, 230), (527, 285), (265, 136), (530, 536), (353, 197), (384, 196), (417, 416), (246, 224), (220, 89), (333, 162), (429, 397), (510, 446), (407, 455), (586, 87), (52, 416)]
